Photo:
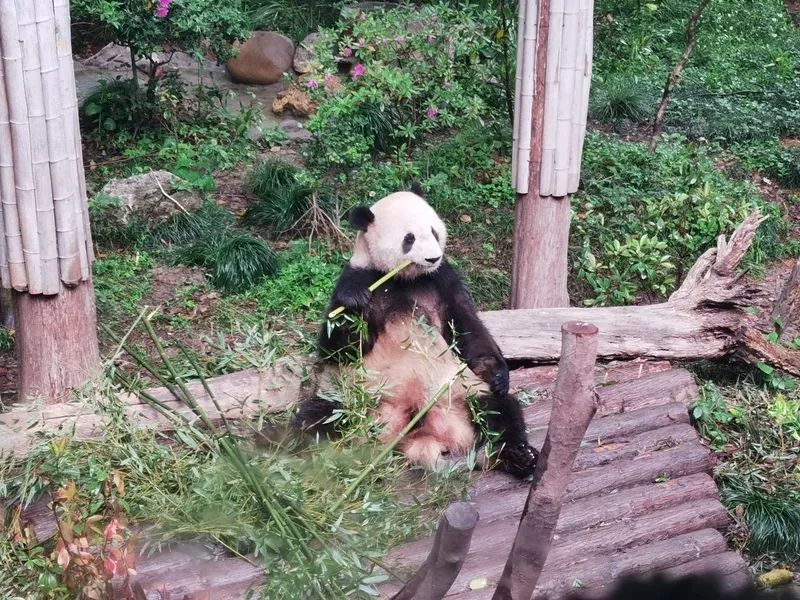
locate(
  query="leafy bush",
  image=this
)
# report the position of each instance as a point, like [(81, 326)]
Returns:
[(195, 26), (120, 283), (416, 71), (771, 158), (642, 220)]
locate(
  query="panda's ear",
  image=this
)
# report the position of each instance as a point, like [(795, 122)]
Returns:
[(416, 188), (361, 217)]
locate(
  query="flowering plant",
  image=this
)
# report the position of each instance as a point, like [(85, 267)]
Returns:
[(410, 72), (147, 26)]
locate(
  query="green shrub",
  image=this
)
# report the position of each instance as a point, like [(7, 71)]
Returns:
[(641, 220), (195, 26), (120, 283), (621, 97), (302, 286), (294, 18), (417, 71), (238, 262), (287, 197)]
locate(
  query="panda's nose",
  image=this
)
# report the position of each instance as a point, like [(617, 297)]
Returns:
[(433, 261)]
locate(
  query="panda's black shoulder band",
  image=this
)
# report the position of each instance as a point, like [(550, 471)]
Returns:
[(361, 217)]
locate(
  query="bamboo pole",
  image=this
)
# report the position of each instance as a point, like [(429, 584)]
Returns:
[(580, 97), (567, 91), (551, 98), (63, 180), (573, 408), (12, 262), (40, 158), (526, 73), (518, 90), (22, 153)]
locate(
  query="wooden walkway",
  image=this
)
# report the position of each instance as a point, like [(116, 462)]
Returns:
[(642, 500)]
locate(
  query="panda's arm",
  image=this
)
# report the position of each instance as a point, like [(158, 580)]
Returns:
[(352, 292), (463, 327)]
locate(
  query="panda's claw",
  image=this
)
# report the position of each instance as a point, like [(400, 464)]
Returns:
[(355, 299), (519, 461)]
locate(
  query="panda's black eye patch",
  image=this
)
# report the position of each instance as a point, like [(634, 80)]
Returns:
[(435, 235), (408, 242)]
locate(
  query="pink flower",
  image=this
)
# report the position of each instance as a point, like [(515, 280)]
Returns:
[(111, 530), (432, 112), (357, 72), (312, 83), (347, 52), (430, 39), (362, 16), (163, 8), (446, 85), (400, 39)]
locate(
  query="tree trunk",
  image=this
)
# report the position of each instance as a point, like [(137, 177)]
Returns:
[(56, 342)]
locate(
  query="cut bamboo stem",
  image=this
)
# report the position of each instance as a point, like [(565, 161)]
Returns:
[(551, 98), (570, 40), (526, 74), (518, 90), (573, 408)]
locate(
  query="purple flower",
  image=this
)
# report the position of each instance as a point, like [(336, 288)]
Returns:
[(362, 16), (312, 83), (446, 85), (347, 52), (357, 72), (430, 39), (432, 112), (163, 8), (400, 40), (384, 42)]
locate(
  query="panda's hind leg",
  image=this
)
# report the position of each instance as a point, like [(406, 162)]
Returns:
[(503, 415)]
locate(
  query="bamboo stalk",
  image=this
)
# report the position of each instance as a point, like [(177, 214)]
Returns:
[(64, 185), (40, 158), (518, 89), (550, 123), (570, 40), (12, 262), (587, 83), (72, 136), (20, 143), (580, 97), (527, 74), (335, 313)]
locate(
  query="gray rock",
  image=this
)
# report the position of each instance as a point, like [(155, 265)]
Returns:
[(295, 130), (141, 197), (263, 59), (304, 54)]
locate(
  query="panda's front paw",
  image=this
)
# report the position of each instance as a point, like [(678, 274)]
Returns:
[(354, 299), (500, 380), (519, 461)]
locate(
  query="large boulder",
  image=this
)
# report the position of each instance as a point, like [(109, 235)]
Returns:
[(263, 59), (304, 54), (152, 197)]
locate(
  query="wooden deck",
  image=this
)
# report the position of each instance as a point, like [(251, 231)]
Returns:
[(642, 500)]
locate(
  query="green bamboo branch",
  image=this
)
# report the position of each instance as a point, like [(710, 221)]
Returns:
[(335, 313)]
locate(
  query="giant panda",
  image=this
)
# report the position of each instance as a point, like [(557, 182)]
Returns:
[(421, 327)]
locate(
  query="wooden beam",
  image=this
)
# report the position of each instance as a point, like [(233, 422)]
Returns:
[(574, 405)]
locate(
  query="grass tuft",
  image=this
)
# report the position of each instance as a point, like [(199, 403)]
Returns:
[(621, 97)]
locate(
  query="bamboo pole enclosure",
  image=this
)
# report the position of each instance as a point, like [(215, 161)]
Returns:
[(554, 60), (44, 242), (45, 246)]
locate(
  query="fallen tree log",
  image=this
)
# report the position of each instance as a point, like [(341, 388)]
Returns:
[(711, 315)]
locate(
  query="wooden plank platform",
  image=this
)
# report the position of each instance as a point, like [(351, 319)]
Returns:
[(642, 500)]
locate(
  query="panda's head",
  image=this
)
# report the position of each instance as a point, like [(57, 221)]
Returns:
[(400, 227)]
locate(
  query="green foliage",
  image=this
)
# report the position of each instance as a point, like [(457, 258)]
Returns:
[(107, 229), (758, 432), (772, 517), (621, 97), (417, 72), (195, 26), (237, 262), (302, 286), (120, 282), (771, 158), (285, 196), (294, 18), (643, 219), (7, 340)]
